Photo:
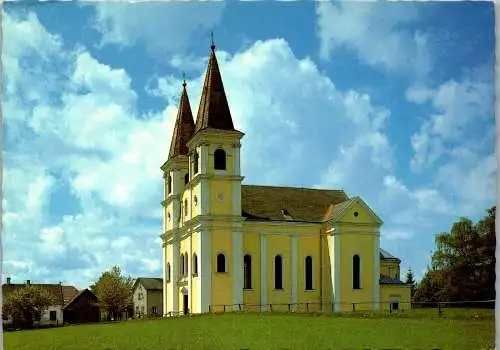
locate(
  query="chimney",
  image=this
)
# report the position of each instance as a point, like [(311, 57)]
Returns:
[(28, 282), (8, 280)]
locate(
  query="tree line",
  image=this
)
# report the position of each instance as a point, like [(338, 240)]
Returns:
[(462, 266)]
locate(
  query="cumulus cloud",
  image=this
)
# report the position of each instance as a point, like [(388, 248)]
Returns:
[(375, 32), (153, 24), (455, 138)]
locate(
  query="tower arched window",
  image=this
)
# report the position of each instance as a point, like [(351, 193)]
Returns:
[(169, 184), (356, 272), (247, 272), (195, 163), (278, 272), (168, 272), (185, 264), (195, 264), (309, 273), (186, 178), (221, 262), (186, 212), (219, 159), (182, 264)]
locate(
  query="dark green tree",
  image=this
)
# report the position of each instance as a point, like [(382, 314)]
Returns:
[(113, 290), (463, 265), (26, 305), (410, 279)]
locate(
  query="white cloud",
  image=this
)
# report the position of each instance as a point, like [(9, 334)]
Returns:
[(153, 24), (458, 135), (374, 31)]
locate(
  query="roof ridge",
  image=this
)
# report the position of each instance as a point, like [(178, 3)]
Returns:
[(295, 188)]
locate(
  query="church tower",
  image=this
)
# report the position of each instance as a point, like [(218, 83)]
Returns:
[(175, 174), (215, 180)]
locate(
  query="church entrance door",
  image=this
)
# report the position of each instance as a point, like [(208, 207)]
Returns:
[(185, 304)]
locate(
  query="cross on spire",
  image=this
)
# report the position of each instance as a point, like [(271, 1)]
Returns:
[(212, 38), (184, 79)]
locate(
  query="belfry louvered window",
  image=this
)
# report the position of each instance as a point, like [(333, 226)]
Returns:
[(219, 159)]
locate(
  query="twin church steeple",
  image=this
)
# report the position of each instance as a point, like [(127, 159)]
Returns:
[(213, 111)]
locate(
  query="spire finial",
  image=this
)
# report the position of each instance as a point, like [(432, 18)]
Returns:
[(184, 79), (212, 37)]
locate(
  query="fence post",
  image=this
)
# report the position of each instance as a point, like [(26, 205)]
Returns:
[(307, 307), (239, 306), (271, 307), (353, 307), (333, 307), (209, 308), (440, 312), (289, 308)]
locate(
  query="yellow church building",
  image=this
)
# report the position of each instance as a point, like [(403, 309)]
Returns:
[(229, 246)]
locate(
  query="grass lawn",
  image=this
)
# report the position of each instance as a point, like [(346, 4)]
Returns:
[(271, 331)]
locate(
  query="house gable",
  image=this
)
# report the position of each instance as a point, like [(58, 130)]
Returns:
[(354, 211)]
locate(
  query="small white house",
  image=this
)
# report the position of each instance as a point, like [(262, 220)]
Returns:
[(61, 294)]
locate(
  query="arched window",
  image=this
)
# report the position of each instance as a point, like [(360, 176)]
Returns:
[(186, 179), (182, 264), (309, 273), (219, 159), (247, 272), (186, 207), (195, 264), (168, 272), (221, 263), (195, 163), (355, 272), (169, 184), (278, 272)]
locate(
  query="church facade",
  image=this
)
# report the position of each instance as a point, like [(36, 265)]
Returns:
[(229, 246)]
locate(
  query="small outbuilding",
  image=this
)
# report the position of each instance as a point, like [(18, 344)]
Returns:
[(83, 308)]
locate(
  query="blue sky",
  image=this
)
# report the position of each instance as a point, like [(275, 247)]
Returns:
[(392, 102)]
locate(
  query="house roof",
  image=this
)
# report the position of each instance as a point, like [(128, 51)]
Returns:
[(389, 280), (288, 203), (149, 283), (61, 294), (213, 111), (78, 295), (184, 127), (385, 255)]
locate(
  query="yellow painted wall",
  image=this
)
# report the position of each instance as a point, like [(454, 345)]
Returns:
[(327, 285), (251, 245), (389, 268), (229, 158), (278, 245), (222, 288), (309, 246), (402, 292), (364, 217), (224, 206), (364, 246), (356, 237), (195, 280)]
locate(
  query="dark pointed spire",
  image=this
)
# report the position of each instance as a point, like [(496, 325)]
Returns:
[(213, 111), (184, 126)]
